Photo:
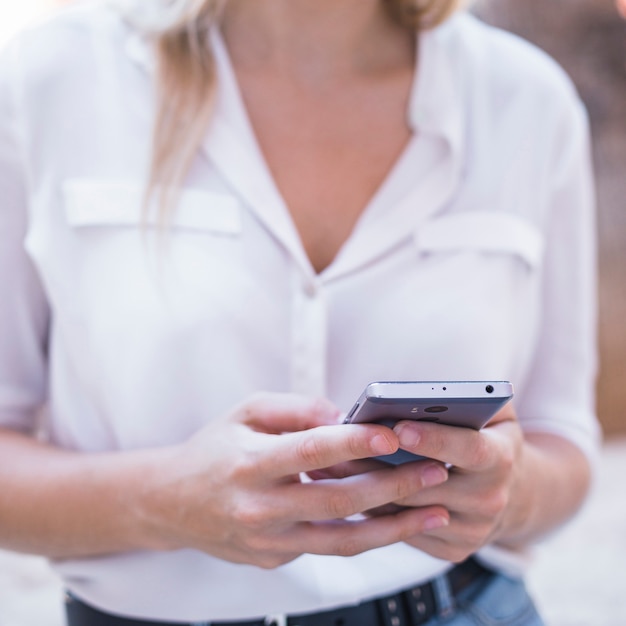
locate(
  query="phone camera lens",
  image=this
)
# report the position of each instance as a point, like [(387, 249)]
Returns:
[(489, 388)]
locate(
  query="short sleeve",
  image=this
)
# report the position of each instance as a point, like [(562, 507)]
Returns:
[(24, 314), (559, 395)]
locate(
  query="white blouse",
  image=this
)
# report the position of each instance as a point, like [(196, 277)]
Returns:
[(474, 260)]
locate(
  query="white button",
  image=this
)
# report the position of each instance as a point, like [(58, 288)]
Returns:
[(311, 289)]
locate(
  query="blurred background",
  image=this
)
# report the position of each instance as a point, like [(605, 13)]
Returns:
[(578, 577)]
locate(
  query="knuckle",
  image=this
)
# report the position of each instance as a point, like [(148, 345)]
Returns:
[(356, 447), (250, 516), (476, 534), (406, 531), (458, 554), (271, 561), (310, 450), (339, 505), (243, 467), (260, 545), (495, 502), (406, 485), (508, 459), (482, 452), (475, 538), (457, 551), (435, 443), (348, 546)]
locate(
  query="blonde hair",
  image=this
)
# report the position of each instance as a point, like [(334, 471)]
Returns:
[(186, 75)]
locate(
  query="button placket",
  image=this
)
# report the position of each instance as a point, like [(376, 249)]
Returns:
[(309, 336)]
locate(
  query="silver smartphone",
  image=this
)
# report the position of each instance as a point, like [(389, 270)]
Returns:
[(468, 404)]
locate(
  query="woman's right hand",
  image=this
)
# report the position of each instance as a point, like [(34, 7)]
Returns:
[(235, 489)]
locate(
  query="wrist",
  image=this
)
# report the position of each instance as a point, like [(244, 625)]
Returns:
[(516, 525), (551, 482), (149, 498)]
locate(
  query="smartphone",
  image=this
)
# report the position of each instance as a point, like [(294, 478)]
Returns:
[(467, 404)]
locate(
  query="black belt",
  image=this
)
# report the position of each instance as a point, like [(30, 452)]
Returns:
[(410, 607)]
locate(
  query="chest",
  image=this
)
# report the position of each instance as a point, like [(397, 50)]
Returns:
[(328, 152)]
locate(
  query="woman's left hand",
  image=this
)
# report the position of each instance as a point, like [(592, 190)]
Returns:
[(483, 482), (482, 486), (503, 486)]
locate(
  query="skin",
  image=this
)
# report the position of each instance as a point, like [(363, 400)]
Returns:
[(317, 78), (502, 487), (234, 490)]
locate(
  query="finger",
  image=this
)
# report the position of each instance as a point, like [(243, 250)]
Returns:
[(325, 446), (350, 468), (347, 537), (461, 447), (351, 537), (285, 412), (454, 542), (362, 466), (438, 547), (458, 493), (338, 499)]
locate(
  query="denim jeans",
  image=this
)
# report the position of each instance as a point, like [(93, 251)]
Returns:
[(493, 601)]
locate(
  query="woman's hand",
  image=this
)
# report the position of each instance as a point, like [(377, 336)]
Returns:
[(235, 489), (482, 488), (503, 486)]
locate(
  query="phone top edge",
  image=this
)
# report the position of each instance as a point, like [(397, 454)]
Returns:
[(381, 390)]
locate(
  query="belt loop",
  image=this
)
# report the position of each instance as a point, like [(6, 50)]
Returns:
[(444, 598)]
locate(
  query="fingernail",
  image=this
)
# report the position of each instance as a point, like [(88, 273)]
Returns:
[(434, 475), (435, 521), (407, 434)]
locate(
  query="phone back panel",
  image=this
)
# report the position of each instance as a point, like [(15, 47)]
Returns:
[(462, 404)]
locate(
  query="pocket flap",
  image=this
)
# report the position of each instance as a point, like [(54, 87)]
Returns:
[(105, 203), (486, 231)]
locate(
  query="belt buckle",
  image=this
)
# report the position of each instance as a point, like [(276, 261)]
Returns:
[(280, 619)]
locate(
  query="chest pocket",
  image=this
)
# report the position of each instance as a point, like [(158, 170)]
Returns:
[(480, 278), (119, 262), (103, 203), (485, 232)]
